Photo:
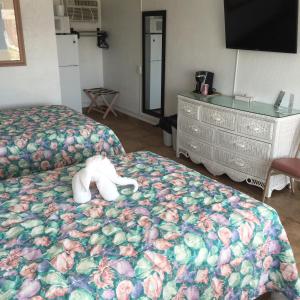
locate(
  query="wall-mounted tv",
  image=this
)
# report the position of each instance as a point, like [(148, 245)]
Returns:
[(265, 25)]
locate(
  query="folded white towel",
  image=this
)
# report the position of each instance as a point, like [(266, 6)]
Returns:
[(101, 171)]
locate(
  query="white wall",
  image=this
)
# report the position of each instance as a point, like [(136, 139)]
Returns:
[(90, 59), (38, 81), (195, 41), (122, 21)]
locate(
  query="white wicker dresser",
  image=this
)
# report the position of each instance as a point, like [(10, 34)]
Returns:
[(236, 138)]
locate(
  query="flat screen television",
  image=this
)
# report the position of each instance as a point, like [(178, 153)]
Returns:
[(264, 25)]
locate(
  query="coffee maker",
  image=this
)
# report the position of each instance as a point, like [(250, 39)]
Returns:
[(204, 77)]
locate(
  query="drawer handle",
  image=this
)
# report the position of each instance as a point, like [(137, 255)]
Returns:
[(193, 146), (217, 118), (194, 129), (243, 146), (188, 110), (256, 129), (238, 162)]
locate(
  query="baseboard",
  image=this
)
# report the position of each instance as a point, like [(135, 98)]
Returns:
[(143, 117)]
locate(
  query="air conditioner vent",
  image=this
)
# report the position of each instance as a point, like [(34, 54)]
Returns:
[(83, 10)]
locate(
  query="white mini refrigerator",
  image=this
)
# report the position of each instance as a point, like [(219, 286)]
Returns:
[(154, 70), (68, 60)]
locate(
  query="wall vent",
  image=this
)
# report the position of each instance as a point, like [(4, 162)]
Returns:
[(83, 10)]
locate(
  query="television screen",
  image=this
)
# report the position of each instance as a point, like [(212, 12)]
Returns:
[(265, 25)]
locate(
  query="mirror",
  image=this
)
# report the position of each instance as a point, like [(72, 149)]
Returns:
[(12, 52), (154, 47)]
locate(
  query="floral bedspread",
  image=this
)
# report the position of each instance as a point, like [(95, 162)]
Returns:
[(46, 137), (181, 236)]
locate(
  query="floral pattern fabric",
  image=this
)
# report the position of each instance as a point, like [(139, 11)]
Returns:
[(43, 138), (180, 236)]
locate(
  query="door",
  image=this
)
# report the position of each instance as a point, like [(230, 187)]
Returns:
[(122, 62)]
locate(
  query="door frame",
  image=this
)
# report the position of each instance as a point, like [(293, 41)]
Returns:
[(163, 14)]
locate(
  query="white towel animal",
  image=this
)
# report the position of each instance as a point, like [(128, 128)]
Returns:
[(101, 171)]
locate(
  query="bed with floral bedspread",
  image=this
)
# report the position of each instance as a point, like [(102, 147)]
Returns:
[(181, 236), (46, 137)]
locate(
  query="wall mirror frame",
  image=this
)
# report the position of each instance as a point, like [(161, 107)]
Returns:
[(12, 50), (154, 57)]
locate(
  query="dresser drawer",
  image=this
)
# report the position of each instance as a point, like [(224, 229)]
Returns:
[(190, 144), (188, 110), (256, 128), (220, 118), (196, 129), (240, 163), (242, 145)]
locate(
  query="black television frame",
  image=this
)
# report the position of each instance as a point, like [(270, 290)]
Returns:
[(264, 50)]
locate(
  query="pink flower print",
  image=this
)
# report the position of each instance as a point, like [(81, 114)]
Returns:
[(19, 208), (144, 222), (55, 292), (218, 208), (225, 235), (128, 251), (11, 261), (249, 216), (43, 241), (202, 276), (96, 250), (159, 261), (71, 149), (217, 287), (65, 261), (162, 244), (28, 198), (124, 289), (94, 212), (192, 293), (126, 216), (91, 228), (145, 203), (246, 233), (289, 271), (267, 262), (85, 133), (178, 182), (171, 215), (78, 234), (103, 278), (38, 155), (29, 272), (99, 146), (45, 165), (52, 208), (53, 145), (153, 286), (68, 218), (205, 223), (171, 236), (21, 143), (236, 262), (181, 272), (158, 185), (226, 270), (245, 295)]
